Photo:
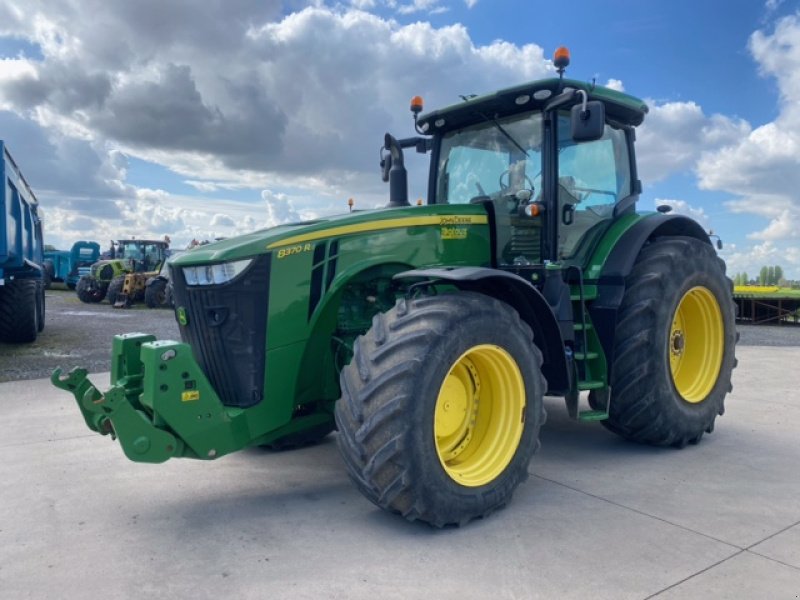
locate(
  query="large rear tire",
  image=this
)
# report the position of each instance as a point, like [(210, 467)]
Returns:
[(441, 408), (19, 311), (40, 306), (89, 290), (674, 346)]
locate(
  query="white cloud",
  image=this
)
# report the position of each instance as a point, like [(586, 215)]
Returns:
[(222, 221), (772, 5), (783, 216), (155, 213), (785, 226), (244, 95), (750, 259), (229, 95), (417, 6), (280, 209), (674, 136), (250, 102), (615, 84), (762, 168)]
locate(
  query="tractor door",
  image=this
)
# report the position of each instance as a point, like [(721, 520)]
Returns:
[(593, 177), (497, 162)]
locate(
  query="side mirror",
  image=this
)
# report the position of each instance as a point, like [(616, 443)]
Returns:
[(588, 121)]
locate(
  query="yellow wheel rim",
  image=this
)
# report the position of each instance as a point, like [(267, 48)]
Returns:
[(696, 344), (479, 415)]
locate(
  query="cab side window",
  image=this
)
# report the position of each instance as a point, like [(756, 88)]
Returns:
[(593, 177)]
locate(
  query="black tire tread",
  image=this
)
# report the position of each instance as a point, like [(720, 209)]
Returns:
[(639, 411), (374, 414), (19, 311), (155, 294), (87, 292), (115, 288)]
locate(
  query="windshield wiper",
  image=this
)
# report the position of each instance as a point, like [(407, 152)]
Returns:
[(502, 130)]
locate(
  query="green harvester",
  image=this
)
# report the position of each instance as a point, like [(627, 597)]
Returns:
[(428, 335)]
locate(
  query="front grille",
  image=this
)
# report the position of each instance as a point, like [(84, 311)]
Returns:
[(227, 330)]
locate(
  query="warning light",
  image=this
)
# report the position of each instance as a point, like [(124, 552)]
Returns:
[(561, 59), (533, 210), (416, 105)]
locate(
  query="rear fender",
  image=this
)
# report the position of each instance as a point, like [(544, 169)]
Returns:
[(615, 266), (525, 299)]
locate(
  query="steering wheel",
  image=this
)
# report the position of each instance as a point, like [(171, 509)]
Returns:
[(504, 187)]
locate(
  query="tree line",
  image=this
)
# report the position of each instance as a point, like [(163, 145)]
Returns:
[(768, 275)]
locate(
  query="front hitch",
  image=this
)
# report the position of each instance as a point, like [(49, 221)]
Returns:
[(160, 404), (112, 413)]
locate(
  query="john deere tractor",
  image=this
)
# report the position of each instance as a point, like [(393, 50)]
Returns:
[(428, 335), (138, 259)]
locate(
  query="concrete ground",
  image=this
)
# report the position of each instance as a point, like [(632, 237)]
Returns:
[(599, 518)]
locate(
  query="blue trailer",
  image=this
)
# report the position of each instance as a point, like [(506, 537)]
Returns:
[(21, 257), (56, 266), (68, 266), (82, 256)]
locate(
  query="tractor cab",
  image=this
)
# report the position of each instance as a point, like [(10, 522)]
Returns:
[(551, 189), (552, 160), (144, 255)]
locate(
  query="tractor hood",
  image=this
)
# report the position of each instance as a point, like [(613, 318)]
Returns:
[(282, 236)]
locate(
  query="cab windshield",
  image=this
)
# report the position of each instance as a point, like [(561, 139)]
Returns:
[(490, 160)]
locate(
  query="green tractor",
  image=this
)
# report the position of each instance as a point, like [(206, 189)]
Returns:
[(107, 277), (429, 335)]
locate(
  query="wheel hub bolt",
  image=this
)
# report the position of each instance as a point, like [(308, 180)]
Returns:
[(678, 342)]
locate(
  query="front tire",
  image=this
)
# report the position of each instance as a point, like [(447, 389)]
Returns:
[(301, 439), (115, 289), (441, 408), (674, 346), (155, 294), (89, 290)]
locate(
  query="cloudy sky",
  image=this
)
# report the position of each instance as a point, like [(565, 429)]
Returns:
[(205, 119)]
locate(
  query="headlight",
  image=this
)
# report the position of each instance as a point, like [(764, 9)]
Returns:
[(215, 274)]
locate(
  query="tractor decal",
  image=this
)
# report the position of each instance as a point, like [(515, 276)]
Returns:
[(379, 226)]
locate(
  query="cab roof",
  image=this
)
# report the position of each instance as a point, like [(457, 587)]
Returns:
[(621, 107)]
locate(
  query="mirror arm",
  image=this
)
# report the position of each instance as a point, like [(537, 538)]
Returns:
[(585, 96), (561, 100)]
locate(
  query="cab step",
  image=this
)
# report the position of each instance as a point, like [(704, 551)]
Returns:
[(590, 385), (589, 416), (592, 415)]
